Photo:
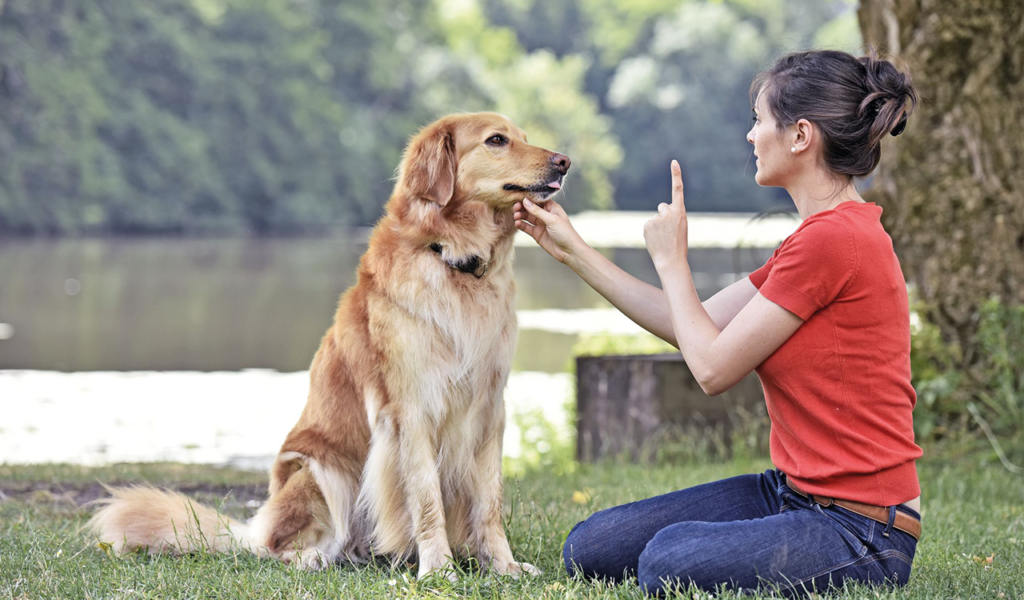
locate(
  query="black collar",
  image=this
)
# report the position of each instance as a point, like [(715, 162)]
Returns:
[(474, 264)]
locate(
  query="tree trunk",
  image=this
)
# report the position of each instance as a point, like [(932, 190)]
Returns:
[(640, 406), (952, 186)]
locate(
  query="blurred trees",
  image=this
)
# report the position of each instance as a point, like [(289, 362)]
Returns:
[(543, 93), (674, 78), (163, 116), (289, 115)]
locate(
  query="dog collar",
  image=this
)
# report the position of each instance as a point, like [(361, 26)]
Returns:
[(473, 264)]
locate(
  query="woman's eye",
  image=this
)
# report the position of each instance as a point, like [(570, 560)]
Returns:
[(497, 140)]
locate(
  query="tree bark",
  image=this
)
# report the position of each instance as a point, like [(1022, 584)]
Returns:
[(639, 405), (952, 186)]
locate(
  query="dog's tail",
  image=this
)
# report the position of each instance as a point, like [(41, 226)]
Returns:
[(165, 521)]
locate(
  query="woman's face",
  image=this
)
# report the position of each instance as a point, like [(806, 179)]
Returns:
[(774, 160)]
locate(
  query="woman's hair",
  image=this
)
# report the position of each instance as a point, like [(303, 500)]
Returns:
[(853, 101)]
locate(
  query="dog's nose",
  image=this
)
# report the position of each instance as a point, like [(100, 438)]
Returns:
[(561, 162)]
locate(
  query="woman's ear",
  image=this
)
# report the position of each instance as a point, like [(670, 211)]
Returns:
[(429, 165), (804, 135)]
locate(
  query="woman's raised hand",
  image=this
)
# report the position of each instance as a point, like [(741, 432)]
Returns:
[(549, 226), (666, 233)]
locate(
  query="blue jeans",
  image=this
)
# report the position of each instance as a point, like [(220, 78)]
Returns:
[(741, 532)]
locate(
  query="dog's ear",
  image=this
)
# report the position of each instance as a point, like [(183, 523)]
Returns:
[(429, 165)]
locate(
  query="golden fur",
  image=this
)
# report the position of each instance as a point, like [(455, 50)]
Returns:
[(398, 449)]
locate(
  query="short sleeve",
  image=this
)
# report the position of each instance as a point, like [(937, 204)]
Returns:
[(759, 276), (812, 267)]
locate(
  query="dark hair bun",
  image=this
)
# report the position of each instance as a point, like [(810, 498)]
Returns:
[(891, 97)]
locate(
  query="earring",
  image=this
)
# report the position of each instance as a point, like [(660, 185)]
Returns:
[(793, 149)]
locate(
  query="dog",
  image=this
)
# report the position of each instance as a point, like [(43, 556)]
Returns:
[(398, 449)]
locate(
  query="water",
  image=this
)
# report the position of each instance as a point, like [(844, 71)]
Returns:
[(230, 304), (189, 350)]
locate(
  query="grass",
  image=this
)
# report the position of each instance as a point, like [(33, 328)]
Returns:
[(974, 510)]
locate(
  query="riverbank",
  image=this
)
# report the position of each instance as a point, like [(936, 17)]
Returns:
[(224, 418)]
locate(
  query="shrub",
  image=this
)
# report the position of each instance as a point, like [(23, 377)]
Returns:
[(991, 387)]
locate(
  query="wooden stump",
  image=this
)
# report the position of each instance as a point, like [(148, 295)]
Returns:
[(633, 405)]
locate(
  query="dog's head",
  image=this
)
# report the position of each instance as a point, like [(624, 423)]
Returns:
[(479, 157)]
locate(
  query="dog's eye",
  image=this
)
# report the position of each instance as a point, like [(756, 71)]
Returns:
[(497, 140)]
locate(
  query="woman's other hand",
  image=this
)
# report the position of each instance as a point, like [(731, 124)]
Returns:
[(549, 226), (665, 234)]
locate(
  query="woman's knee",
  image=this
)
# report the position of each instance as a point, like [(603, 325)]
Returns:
[(572, 541), (652, 571), (590, 550), (671, 560)]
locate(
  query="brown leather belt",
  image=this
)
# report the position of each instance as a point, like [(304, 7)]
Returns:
[(903, 521)]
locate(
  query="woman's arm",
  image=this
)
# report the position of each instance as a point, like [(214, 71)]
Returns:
[(643, 303), (717, 357), (647, 305), (720, 357)]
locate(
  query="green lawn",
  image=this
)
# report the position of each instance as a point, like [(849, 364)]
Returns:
[(973, 510)]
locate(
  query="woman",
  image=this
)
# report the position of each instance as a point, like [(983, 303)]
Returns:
[(824, 323)]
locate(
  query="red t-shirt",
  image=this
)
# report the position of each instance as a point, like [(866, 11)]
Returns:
[(838, 391)]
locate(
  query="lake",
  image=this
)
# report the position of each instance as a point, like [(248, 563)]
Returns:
[(228, 304), (114, 350)]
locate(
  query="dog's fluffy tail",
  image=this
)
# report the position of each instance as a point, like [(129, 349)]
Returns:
[(165, 521)]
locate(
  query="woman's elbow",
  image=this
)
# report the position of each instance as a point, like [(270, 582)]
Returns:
[(715, 383), (711, 389)]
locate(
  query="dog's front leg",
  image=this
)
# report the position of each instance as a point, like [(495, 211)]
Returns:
[(488, 531), (423, 497)]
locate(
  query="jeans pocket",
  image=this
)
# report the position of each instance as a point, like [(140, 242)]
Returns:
[(858, 530), (890, 567), (895, 566)]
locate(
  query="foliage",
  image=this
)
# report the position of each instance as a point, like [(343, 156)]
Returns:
[(945, 391), (145, 117), (189, 116), (935, 379), (1001, 339), (544, 445), (673, 76), (543, 94), (193, 116)]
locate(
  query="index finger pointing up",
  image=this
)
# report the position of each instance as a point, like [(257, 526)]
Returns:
[(677, 183)]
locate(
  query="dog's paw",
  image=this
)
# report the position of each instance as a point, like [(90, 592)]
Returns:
[(447, 571), (515, 569), (308, 560)]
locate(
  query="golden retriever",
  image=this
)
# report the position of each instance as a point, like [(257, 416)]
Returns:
[(398, 449)]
